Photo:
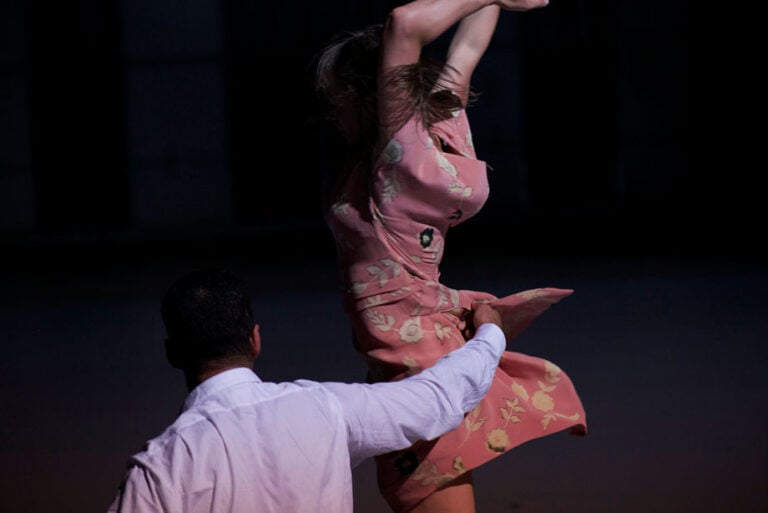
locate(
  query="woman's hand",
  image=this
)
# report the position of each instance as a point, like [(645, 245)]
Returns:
[(521, 5)]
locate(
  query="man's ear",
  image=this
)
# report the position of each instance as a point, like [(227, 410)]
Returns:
[(172, 353), (255, 339)]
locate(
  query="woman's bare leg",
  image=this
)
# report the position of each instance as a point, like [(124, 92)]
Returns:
[(456, 497)]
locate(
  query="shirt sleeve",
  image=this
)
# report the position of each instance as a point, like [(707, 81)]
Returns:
[(384, 417), (137, 494)]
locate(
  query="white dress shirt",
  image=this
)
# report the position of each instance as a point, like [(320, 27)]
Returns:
[(241, 445)]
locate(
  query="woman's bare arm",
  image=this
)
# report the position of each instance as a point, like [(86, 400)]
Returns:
[(410, 27), (472, 37)]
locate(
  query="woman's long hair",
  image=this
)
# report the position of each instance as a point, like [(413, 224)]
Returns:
[(347, 69)]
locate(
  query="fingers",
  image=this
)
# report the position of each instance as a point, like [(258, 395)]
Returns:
[(522, 5), (483, 312)]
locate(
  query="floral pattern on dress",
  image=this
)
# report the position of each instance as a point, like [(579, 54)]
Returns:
[(410, 331), (393, 152), (542, 398), (445, 164), (497, 440), (382, 270), (428, 474), (390, 235)]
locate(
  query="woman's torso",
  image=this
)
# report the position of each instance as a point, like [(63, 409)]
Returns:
[(390, 232)]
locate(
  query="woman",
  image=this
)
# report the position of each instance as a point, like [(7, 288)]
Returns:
[(409, 174)]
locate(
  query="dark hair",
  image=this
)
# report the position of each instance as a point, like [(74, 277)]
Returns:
[(348, 68), (349, 63), (207, 315), (351, 59)]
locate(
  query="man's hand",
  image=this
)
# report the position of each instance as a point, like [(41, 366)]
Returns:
[(481, 313)]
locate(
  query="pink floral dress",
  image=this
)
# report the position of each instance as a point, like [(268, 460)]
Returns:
[(390, 231)]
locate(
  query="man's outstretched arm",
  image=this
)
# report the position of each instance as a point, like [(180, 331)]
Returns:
[(384, 417)]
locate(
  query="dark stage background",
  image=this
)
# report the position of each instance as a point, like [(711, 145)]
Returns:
[(141, 139), (156, 122)]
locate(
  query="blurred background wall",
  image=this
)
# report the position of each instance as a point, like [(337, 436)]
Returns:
[(155, 122)]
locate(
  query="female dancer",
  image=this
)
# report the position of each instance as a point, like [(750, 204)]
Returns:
[(409, 174)]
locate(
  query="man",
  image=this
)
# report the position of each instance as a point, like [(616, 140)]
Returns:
[(242, 445)]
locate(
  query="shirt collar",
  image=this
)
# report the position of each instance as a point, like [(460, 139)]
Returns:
[(218, 383)]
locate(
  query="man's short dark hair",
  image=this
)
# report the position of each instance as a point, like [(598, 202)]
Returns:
[(207, 315)]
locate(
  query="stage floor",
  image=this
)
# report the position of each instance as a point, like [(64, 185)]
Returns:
[(668, 356)]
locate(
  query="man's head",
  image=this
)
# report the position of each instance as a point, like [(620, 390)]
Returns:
[(209, 323)]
